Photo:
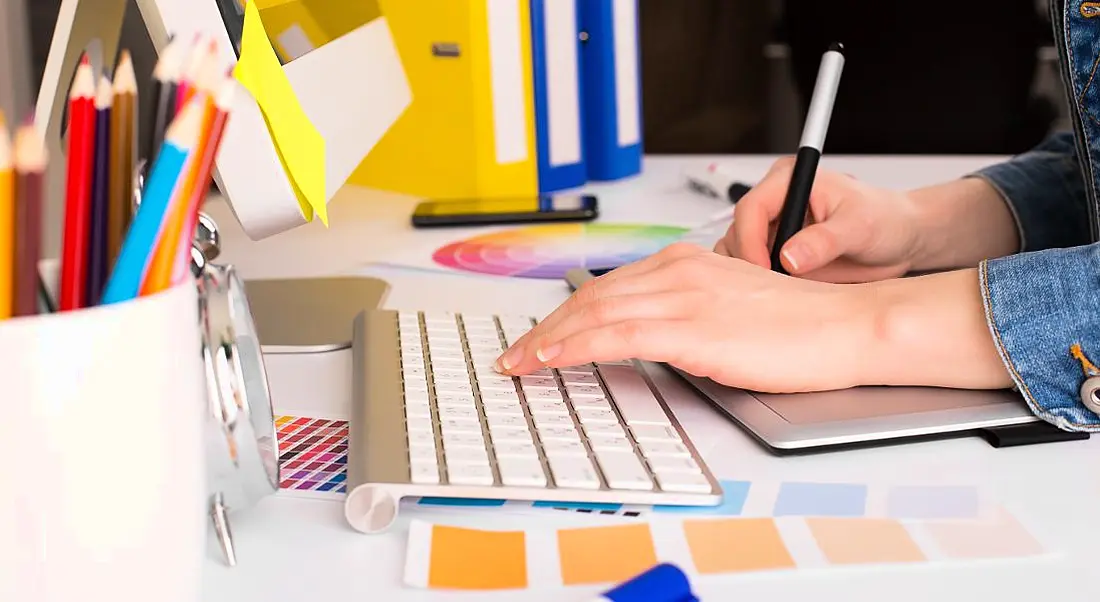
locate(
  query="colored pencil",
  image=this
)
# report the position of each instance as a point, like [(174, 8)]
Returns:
[(180, 226), (123, 153), (207, 160), (74, 252), (30, 165), (165, 80), (96, 276), (196, 55), (7, 214), (148, 223)]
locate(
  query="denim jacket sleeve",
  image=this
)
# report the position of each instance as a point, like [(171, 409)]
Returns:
[(1042, 302)]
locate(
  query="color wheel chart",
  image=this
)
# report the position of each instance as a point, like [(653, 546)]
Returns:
[(548, 251)]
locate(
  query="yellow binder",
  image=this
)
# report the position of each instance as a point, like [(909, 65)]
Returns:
[(469, 131)]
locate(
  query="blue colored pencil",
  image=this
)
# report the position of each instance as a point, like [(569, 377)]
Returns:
[(160, 192)]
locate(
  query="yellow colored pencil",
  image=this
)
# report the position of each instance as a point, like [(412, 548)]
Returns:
[(7, 214)]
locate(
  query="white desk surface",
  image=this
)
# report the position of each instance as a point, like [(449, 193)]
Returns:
[(295, 550)]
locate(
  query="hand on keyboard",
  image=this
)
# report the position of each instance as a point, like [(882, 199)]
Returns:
[(712, 316)]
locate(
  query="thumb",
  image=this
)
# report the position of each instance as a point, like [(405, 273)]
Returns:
[(814, 247)]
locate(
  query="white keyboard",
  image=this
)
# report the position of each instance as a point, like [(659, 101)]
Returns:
[(584, 433)]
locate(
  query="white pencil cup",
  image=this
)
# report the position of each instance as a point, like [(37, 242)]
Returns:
[(103, 492)]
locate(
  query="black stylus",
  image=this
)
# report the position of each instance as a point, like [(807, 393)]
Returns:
[(809, 151)]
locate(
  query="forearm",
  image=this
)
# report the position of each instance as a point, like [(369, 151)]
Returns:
[(932, 331), (961, 223)]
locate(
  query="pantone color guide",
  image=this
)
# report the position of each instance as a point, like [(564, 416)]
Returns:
[(443, 557), (548, 251), (313, 456)]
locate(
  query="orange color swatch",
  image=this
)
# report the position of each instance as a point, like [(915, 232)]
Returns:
[(473, 559), (864, 540), (1004, 537), (736, 545), (605, 554)]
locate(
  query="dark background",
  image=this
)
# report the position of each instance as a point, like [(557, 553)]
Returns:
[(733, 76)]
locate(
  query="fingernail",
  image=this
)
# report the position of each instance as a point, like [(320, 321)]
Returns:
[(545, 354), (507, 361), (791, 255)]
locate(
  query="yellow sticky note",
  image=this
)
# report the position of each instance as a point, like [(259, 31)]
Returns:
[(300, 146)]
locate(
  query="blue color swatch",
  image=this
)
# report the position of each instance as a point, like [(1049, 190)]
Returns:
[(458, 501), (821, 499), (924, 502), (734, 494), (595, 507)]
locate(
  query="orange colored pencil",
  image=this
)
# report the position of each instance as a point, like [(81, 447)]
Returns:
[(78, 195), (7, 221)]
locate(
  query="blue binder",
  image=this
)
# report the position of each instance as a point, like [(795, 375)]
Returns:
[(555, 50), (610, 76)]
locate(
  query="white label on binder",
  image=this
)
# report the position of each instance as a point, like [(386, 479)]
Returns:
[(506, 80), (294, 42), (625, 17), (563, 112)]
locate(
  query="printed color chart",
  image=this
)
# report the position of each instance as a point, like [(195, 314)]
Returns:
[(549, 251), (447, 557), (313, 455)]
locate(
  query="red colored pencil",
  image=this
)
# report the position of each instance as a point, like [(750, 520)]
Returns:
[(78, 193), (188, 79)]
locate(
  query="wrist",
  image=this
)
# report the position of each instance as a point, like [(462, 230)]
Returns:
[(929, 331)]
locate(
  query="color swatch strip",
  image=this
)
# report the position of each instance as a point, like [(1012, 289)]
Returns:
[(313, 455), (442, 557)]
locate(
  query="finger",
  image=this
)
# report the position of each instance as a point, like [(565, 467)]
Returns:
[(748, 236), (670, 305), (816, 245), (651, 340)]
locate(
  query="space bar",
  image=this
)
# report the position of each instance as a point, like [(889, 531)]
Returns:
[(632, 395)]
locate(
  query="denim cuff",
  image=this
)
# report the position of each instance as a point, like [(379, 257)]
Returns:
[(1045, 191), (1037, 306)]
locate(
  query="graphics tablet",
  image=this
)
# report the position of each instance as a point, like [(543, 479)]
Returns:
[(862, 416)]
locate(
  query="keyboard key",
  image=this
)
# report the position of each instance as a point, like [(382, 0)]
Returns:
[(548, 407), (504, 434), (581, 391), (543, 373), (615, 444), (413, 371), (571, 378), (511, 421), (683, 482), (443, 374), (538, 382), (557, 432), (588, 402), (552, 420), (653, 432), (451, 425), (441, 317), (419, 422), (663, 448), (458, 362), (669, 464), (623, 471), (458, 413), (542, 394), (470, 474), (463, 440), (602, 429), (449, 355), (499, 397), (564, 447), (515, 449), (582, 369), (457, 455), (462, 400), (573, 472), (412, 351), (497, 385), (421, 439), (486, 321), (424, 455), (501, 408), (632, 396), (589, 415), (453, 387), (516, 472), (484, 343), (414, 411), (423, 473)]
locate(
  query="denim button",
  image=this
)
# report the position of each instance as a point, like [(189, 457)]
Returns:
[(1090, 394)]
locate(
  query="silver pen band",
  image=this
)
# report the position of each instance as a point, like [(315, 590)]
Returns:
[(821, 105)]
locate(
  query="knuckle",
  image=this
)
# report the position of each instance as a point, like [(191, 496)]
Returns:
[(629, 332), (680, 249)]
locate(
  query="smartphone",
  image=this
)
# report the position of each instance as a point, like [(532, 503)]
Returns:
[(479, 212)]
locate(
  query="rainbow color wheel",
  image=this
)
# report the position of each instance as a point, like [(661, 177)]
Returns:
[(550, 250)]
